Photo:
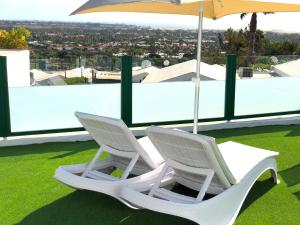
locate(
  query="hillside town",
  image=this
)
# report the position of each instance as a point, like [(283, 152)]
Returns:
[(63, 53)]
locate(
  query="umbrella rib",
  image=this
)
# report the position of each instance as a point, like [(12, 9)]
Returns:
[(213, 9)]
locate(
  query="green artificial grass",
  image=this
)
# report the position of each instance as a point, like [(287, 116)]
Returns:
[(30, 196)]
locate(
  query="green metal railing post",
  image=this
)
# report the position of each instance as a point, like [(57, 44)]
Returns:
[(5, 129), (230, 87), (126, 90)]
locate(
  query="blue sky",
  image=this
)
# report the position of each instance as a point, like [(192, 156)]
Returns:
[(59, 10)]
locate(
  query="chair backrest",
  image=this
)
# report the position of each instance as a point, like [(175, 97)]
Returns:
[(191, 150), (114, 134)]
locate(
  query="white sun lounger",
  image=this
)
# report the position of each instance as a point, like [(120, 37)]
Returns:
[(228, 170), (135, 157)]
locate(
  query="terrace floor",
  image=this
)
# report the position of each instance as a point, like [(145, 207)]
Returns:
[(30, 196)]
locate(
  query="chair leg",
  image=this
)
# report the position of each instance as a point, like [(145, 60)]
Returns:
[(91, 164), (130, 166), (274, 176)]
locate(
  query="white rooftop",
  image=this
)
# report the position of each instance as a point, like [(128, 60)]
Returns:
[(288, 69), (185, 71), (43, 78), (86, 72)]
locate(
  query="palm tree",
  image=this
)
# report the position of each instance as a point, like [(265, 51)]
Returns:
[(252, 32)]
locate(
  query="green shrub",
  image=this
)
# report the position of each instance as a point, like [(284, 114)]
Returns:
[(75, 80)]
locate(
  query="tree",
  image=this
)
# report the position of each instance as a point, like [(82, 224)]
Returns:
[(252, 35), (14, 39), (282, 48), (234, 42), (260, 42)]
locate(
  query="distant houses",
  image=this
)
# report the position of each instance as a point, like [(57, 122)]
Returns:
[(184, 71), (179, 72)]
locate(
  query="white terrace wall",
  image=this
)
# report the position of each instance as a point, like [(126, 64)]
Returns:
[(18, 67)]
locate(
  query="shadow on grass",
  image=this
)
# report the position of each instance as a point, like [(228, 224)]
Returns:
[(91, 208), (69, 148), (297, 194), (291, 176), (293, 131), (257, 191)]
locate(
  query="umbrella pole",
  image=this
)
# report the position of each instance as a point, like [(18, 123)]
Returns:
[(197, 80)]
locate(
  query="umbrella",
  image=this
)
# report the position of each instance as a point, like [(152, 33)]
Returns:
[(212, 9)]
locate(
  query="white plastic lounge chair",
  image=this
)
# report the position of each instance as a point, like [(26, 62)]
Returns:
[(135, 157), (228, 170)]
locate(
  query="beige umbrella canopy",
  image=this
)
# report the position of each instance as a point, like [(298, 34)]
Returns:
[(212, 9)]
